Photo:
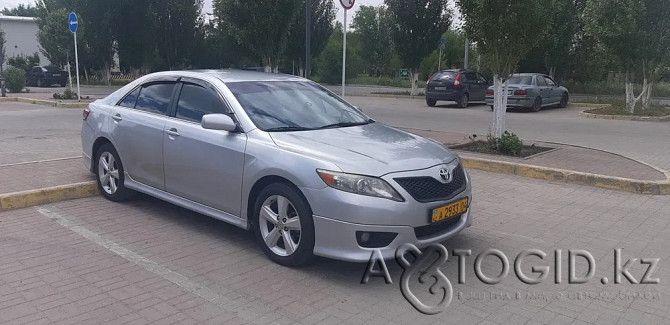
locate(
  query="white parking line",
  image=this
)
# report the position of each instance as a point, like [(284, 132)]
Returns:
[(39, 161), (245, 304)]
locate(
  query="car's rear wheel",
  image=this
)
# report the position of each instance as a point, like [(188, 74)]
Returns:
[(431, 102), (564, 101), (110, 175), (537, 105), (283, 223), (463, 102), (491, 107)]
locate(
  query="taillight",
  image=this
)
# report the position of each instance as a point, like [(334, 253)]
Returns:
[(520, 92), (86, 113), (457, 82), (489, 92), (431, 77)]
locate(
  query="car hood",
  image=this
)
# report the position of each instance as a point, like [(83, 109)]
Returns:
[(373, 149)]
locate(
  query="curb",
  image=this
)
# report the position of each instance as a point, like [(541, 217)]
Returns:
[(571, 177), (389, 96), (45, 102), (625, 117), (24, 199), (591, 105)]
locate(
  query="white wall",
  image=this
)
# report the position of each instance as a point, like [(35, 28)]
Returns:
[(21, 37)]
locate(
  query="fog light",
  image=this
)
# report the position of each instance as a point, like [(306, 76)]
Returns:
[(365, 237), (374, 239)]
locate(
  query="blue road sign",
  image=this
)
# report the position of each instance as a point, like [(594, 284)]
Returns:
[(72, 22), (443, 42)]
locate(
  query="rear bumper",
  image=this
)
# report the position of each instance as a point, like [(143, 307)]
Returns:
[(513, 101), (450, 95)]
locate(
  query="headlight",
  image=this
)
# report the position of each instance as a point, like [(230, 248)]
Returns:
[(359, 184)]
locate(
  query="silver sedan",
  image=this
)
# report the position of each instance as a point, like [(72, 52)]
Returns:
[(281, 156), (532, 91)]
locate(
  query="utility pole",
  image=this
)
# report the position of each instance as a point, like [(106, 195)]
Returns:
[(308, 37)]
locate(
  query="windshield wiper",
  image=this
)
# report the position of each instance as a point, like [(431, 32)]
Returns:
[(344, 124), (287, 129)]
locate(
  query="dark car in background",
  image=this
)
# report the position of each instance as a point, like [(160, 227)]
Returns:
[(458, 85), (532, 91), (46, 76)]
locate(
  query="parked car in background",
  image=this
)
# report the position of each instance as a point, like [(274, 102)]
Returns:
[(46, 76), (532, 91), (458, 85), (281, 156)]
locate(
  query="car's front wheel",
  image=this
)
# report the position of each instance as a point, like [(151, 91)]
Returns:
[(284, 225), (110, 175), (564, 101)]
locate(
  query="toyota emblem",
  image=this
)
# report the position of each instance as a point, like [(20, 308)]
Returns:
[(446, 175)]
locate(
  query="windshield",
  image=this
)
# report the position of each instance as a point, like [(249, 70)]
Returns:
[(521, 80), (294, 106), (444, 75)]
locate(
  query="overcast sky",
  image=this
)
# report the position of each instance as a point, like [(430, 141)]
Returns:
[(208, 6)]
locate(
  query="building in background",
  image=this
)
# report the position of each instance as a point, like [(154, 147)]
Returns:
[(21, 37)]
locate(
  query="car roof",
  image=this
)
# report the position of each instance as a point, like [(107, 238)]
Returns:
[(235, 75)]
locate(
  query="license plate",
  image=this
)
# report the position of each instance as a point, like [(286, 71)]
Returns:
[(449, 211), (440, 88)]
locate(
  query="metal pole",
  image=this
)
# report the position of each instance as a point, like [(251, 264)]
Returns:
[(344, 53), (76, 59), (308, 37), (439, 60), (466, 62)]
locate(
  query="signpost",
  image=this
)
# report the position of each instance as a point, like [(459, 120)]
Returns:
[(346, 4), (73, 24), (443, 45), (404, 73)]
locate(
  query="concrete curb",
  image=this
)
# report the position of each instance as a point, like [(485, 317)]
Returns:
[(389, 96), (591, 105), (625, 117), (18, 200), (572, 177), (44, 102)]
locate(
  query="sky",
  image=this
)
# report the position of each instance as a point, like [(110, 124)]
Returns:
[(207, 8)]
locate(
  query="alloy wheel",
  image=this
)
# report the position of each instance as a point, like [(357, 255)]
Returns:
[(279, 224), (108, 172)]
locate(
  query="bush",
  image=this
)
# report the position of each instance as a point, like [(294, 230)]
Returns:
[(508, 144), (15, 79)]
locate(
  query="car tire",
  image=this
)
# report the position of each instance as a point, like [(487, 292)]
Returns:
[(110, 175), (492, 108), (564, 101), (431, 102), (463, 102), (281, 216), (537, 105)]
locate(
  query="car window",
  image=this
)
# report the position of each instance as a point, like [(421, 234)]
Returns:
[(294, 105), (130, 99), (541, 82), (481, 78), (550, 82), (155, 98), (470, 77), (521, 80), (196, 101), (444, 75)]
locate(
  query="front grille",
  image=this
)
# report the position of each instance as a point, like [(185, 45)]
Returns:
[(428, 189), (424, 232)]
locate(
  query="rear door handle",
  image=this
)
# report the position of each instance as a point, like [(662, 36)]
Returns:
[(117, 117), (172, 132)]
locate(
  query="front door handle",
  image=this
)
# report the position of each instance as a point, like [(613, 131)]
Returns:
[(172, 132), (117, 117)]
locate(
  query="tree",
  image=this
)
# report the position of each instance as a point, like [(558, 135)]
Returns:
[(505, 31), (373, 26), (2, 49), (417, 27), (24, 63), (637, 32), (179, 23), (21, 10), (55, 40), (329, 63), (323, 15), (261, 26)]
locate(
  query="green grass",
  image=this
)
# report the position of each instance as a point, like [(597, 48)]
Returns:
[(615, 89), (618, 107)]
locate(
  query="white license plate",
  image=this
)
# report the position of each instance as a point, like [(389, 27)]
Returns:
[(440, 88)]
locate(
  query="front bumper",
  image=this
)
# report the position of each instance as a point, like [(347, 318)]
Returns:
[(514, 101), (338, 216)]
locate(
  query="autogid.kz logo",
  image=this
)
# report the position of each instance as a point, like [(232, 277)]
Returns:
[(425, 267)]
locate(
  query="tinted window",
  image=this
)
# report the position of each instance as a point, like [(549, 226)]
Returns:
[(130, 99), (541, 82), (521, 80), (550, 82), (196, 101), (155, 98), (444, 75), (470, 77), (481, 78)]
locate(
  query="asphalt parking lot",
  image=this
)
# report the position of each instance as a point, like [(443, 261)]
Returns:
[(93, 261)]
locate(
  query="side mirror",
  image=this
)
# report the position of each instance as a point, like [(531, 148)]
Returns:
[(218, 122)]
